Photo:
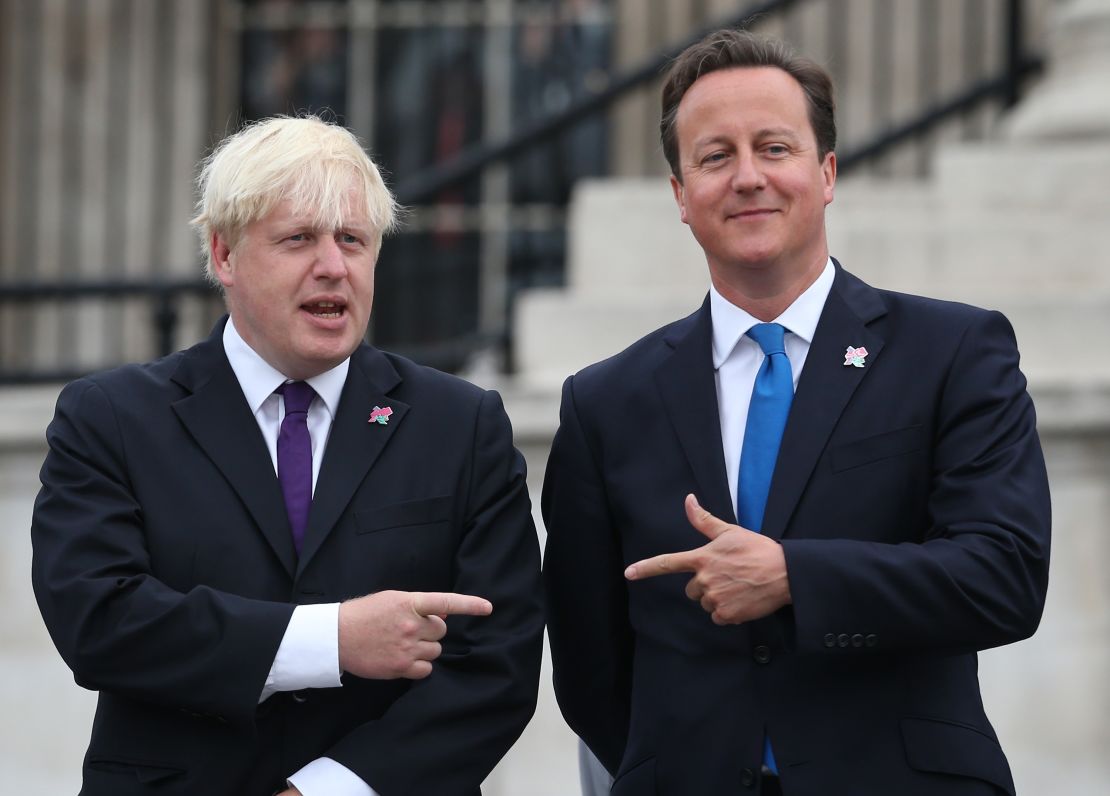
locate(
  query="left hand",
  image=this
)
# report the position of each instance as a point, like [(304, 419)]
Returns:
[(739, 575)]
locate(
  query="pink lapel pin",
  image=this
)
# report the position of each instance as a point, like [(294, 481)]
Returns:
[(380, 415), (856, 357)]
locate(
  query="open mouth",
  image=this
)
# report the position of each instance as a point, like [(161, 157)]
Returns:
[(324, 309)]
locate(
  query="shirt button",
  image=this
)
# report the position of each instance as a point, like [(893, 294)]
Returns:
[(747, 778), (762, 654)]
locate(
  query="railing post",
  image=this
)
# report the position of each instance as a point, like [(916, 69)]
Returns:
[(165, 321), (1015, 51)]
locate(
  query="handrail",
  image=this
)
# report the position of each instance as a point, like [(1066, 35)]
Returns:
[(425, 185), (963, 102), (165, 292)]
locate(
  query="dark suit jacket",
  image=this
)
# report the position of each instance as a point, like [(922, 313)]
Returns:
[(166, 574), (911, 502)]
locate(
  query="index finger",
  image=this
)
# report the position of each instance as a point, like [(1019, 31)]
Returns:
[(665, 564), (446, 603)]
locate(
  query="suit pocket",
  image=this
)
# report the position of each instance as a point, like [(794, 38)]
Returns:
[(636, 781), (426, 511), (142, 772), (946, 747), (878, 447)]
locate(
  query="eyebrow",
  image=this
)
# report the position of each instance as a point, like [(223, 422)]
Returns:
[(778, 132)]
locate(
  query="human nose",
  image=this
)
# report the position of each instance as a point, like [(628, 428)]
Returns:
[(330, 263), (747, 176)]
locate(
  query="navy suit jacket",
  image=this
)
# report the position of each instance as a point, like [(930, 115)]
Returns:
[(911, 501), (165, 571)]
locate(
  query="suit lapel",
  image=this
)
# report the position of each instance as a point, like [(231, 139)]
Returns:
[(354, 443), (824, 389), (217, 416), (688, 388)]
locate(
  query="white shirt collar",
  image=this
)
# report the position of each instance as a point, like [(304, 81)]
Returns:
[(731, 323), (259, 378)]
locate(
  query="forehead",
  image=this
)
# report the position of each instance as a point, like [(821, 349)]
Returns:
[(312, 210), (757, 96)]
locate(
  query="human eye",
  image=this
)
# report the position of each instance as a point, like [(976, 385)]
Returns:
[(714, 157), (349, 239), (777, 150)]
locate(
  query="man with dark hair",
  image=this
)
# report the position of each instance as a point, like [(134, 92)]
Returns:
[(287, 561), (780, 529)]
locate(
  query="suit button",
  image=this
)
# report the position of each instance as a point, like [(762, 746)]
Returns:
[(830, 640), (762, 654), (857, 640), (747, 778), (842, 640), (300, 697), (871, 640)]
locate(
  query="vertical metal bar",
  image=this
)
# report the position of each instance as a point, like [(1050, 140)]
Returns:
[(362, 69), (76, 72), (7, 69), (29, 47), (928, 47), (836, 16), (971, 55), (118, 113), (1015, 52), (882, 67), (164, 88), (493, 246), (165, 320)]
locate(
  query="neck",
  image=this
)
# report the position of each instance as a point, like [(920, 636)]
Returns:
[(766, 293)]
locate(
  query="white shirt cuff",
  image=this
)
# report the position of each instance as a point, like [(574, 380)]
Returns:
[(325, 777), (308, 656)]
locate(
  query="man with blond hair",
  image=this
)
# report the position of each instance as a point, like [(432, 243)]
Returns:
[(287, 561)]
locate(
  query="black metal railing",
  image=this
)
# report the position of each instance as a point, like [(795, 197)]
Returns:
[(164, 298)]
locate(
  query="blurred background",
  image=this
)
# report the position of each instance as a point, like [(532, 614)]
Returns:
[(541, 235)]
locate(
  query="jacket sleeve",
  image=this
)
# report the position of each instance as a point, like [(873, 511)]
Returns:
[(118, 627), (587, 599), (979, 576), (447, 732)]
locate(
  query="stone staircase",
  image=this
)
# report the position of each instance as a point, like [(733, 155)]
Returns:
[(1011, 225)]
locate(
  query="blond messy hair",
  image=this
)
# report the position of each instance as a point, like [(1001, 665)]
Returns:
[(320, 167)]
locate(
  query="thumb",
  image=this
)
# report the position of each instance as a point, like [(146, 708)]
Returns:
[(704, 523)]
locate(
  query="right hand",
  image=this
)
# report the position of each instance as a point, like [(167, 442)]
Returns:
[(394, 634)]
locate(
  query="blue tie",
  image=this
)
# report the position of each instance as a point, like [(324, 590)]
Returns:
[(767, 413)]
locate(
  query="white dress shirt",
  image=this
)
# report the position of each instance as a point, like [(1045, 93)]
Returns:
[(308, 656), (737, 358)]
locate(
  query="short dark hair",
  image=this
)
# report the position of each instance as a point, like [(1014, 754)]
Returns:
[(729, 48)]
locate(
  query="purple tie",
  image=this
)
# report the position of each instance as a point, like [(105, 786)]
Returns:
[(294, 455)]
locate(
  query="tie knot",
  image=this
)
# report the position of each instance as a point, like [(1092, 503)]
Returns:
[(769, 336), (297, 394)]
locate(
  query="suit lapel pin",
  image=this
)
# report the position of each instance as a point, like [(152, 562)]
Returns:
[(380, 415), (856, 357)]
